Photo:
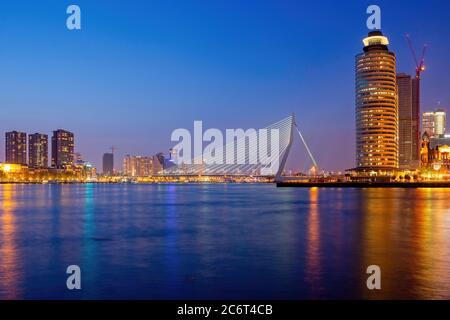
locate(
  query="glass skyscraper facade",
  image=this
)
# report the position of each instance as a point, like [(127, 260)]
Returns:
[(434, 123)]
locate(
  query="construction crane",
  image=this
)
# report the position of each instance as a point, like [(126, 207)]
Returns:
[(420, 64), (420, 67)]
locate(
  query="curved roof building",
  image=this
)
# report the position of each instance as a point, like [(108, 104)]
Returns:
[(376, 105)]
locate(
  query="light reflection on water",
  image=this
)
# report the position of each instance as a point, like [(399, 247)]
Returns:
[(9, 262), (223, 241)]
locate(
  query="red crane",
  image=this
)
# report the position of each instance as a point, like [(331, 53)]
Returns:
[(420, 67), (420, 64)]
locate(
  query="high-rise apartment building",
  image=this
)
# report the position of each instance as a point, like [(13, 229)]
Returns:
[(376, 105), (108, 163), (137, 166), (16, 147), (409, 121), (434, 123), (63, 145), (38, 150)]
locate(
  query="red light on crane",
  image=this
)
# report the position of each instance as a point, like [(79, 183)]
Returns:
[(420, 64)]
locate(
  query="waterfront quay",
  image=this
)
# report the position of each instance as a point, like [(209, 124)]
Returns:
[(364, 184), (157, 179)]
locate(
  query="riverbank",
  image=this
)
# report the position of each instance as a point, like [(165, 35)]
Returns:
[(134, 182)]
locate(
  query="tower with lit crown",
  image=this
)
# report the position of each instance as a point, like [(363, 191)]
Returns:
[(377, 147)]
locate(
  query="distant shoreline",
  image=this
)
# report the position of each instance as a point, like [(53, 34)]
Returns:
[(445, 184), (405, 185)]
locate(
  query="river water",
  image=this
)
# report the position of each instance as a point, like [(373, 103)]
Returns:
[(222, 241)]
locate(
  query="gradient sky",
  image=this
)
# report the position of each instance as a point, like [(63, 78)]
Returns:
[(139, 69)]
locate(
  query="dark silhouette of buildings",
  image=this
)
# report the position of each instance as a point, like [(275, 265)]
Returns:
[(409, 122), (108, 163)]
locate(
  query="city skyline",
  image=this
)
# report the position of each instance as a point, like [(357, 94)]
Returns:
[(63, 153), (253, 66), (224, 151)]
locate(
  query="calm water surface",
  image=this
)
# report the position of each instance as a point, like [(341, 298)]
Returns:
[(222, 241)]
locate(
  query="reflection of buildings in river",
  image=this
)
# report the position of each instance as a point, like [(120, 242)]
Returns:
[(9, 271), (404, 234), (313, 267), (89, 259), (430, 239), (379, 228)]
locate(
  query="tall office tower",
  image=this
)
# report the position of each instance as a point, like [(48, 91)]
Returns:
[(376, 106), (441, 119), (137, 166), (38, 150), (408, 114), (16, 147), (108, 164), (434, 123), (63, 145)]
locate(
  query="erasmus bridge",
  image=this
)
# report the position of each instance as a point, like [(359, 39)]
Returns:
[(252, 154)]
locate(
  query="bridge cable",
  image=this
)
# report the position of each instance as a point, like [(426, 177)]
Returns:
[(306, 146)]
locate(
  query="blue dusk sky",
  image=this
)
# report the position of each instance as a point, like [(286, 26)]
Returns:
[(140, 69)]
